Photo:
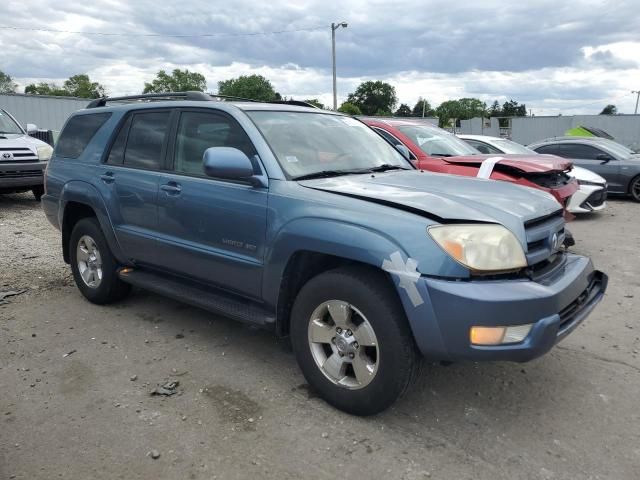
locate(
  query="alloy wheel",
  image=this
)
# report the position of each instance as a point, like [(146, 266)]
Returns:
[(343, 344), (89, 261)]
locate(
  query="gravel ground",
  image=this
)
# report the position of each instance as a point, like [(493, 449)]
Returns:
[(243, 410)]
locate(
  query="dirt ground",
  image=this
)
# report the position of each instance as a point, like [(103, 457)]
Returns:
[(244, 411)]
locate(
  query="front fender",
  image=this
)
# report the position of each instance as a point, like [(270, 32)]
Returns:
[(358, 244), (330, 237), (84, 193)]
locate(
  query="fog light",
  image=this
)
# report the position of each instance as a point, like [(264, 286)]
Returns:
[(499, 335)]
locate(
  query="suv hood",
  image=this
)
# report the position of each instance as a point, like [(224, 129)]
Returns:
[(446, 198), (524, 163), (14, 140)]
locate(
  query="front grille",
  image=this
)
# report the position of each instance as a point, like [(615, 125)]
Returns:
[(540, 234), (21, 174), (571, 312), (596, 199), (17, 154)]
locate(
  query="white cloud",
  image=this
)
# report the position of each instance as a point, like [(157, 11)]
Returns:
[(574, 61)]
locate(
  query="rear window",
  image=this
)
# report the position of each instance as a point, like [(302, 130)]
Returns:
[(78, 133)]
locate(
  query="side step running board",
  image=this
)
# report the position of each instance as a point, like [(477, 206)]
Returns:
[(237, 308)]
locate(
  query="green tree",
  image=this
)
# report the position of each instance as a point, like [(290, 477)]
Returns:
[(7, 85), (461, 109), (428, 110), (254, 87), (315, 102), (514, 109), (349, 109), (471, 108), (75, 86), (82, 86), (44, 88), (447, 111), (403, 110), (374, 96), (609, 110), (495, 110), (177, 81)]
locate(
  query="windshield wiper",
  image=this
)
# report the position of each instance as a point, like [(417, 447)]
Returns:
[(328, 173), (387, 166), (441, 155)]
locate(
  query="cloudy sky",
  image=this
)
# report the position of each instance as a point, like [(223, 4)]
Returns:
[(557, 57)]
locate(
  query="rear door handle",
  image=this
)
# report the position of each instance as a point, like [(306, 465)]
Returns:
[(171, 188), (107, 177)]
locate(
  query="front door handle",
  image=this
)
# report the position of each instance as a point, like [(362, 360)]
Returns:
[(171, 188), (107, 177)]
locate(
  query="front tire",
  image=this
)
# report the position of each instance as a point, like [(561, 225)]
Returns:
[(352, 341), (95, 269), (38, 192), (634, 188)]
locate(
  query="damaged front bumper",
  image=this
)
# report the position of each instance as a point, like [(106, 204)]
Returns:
[(554, 304)]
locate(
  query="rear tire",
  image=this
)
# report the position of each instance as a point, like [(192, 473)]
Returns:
[(634, 188), (95, 269), (38, 192), (352, 341)]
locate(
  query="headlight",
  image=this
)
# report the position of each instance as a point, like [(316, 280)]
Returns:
[(483, 248), (593, 184), (44, 153)]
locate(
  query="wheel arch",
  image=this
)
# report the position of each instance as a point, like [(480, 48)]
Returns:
[(631, 182), (80, 200)]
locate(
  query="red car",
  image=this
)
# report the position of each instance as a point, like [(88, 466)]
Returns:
[(436, 150)]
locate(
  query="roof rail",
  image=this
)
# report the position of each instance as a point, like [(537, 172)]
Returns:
[(200, 96), (299, 103), (191, 95)]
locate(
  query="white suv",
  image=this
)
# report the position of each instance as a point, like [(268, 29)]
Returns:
[(22, 158)]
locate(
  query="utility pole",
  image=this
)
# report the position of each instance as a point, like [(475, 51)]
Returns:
[(424, 104), (334, 27), (637, 92)]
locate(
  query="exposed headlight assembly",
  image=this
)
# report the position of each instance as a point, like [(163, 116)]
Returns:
[(593, 184), (483, 248), (44, 153)]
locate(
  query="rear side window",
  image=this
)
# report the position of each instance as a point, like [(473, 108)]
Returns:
[(577, 150), (549, 149), (146, 139), (483, 147), (116, 155), (78, 133)]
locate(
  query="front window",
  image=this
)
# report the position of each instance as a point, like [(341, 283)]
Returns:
[(8, 125), (436, 142), (308, 144)]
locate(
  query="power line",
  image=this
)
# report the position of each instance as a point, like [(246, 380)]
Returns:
[(173, 35)]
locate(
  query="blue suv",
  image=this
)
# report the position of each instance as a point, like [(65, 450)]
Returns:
[(309, 223)]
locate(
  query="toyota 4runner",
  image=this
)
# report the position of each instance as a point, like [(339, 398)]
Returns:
[(309, 223)]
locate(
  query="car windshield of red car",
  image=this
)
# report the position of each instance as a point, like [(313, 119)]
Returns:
[(437, 142)]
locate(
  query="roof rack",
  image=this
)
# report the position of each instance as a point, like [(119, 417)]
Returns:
[(191, 95), (200, 96), (299, 103)]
